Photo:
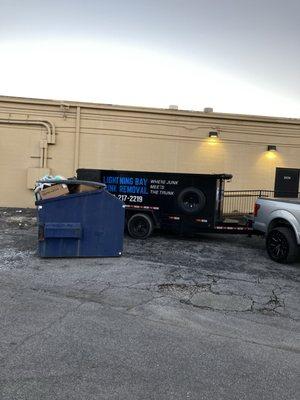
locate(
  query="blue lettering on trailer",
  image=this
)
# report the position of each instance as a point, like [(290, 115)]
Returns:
[(111, 179), (126, 185), (141, 181), (126, 180), (133, 189), (111, 188)]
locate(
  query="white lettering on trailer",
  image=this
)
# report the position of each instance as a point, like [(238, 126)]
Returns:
[(166, 193), (172, 182)]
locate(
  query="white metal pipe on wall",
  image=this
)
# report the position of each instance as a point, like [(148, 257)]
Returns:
[(50, 127)]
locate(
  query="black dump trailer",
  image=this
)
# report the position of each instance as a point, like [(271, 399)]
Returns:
[(180, 202)]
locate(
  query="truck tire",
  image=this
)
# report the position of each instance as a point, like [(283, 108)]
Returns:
[(281, 245), (140, 226), (191, 200)]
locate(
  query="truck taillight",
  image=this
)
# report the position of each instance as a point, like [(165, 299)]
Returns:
[(256, 208)]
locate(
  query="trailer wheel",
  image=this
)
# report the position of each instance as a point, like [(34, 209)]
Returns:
[(140, 226), (191, 200), (281, 245)]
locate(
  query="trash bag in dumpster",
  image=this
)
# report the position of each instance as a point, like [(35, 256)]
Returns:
[(84, 224)]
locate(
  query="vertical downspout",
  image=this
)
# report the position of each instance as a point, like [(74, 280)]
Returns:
[(77, 140), (45, 155), (42, 162)]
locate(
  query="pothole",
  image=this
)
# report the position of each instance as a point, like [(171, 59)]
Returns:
[(222, 302), (200, 295), (182, 290)]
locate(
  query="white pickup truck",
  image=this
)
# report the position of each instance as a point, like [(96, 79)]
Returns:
[(279, 220)]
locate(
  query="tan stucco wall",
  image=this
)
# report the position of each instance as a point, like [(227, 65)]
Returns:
[(138, 139)]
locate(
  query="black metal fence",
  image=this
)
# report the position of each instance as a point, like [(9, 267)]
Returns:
[(240, 202)]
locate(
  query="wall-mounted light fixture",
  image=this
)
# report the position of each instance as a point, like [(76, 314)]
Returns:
[(272, 147), (213, 134)]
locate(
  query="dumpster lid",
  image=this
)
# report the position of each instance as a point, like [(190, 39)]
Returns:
[(73, 182)]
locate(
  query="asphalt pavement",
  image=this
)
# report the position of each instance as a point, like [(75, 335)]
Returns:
[(200, 318)]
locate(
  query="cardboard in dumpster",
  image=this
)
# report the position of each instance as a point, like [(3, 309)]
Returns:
[(84, 188), (54, 191)]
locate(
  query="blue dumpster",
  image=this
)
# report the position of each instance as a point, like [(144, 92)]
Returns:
[(87, 224)]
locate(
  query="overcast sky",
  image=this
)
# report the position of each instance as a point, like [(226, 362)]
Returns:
[(240, 56)]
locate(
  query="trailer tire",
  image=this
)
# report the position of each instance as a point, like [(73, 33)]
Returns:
[(281, 245), (140, 226), (191, 200)]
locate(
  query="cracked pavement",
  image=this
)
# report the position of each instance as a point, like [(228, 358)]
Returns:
[(200, 318)]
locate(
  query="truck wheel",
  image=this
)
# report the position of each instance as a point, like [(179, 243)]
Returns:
[(140, 226), (191, 200), (281, 245)]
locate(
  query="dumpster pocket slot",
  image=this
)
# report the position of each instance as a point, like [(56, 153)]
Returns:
[(63, 230)]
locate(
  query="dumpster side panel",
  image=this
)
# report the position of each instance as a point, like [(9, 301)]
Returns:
[(104, 226), (89, 224)]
